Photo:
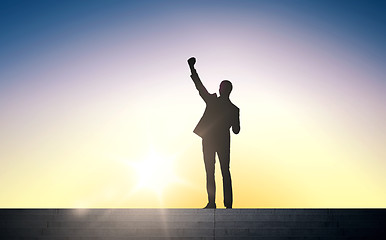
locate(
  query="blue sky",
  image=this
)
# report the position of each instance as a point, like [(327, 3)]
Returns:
[(28, 27)]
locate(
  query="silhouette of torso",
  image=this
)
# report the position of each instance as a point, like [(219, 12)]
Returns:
[(220, 114)]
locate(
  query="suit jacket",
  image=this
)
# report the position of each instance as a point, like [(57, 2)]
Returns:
[(219, 116)]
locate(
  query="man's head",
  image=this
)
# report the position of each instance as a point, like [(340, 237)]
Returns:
[(225, 88)]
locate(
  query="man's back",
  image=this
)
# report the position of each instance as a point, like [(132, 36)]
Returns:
[(220, 114)]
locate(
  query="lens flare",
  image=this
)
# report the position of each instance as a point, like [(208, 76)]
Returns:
[(154, 172)]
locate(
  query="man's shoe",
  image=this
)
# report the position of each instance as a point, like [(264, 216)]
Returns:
[(229, 207), (210, 205)]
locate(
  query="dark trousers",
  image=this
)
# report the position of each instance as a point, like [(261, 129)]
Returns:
[(210, 147)]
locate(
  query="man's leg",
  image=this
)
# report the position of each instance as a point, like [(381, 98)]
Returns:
[(224, 157), (209, 160)]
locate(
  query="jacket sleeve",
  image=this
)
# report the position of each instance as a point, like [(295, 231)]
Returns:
[(200, 87), (236, 122)]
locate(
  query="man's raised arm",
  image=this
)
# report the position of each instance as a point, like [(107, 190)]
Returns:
[(197, 81)]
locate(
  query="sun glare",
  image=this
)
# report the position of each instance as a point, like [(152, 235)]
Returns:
[(155, 172)]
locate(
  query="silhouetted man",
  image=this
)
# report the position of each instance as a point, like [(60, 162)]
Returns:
[(220, 114)]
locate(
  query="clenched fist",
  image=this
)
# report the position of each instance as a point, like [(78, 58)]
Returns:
[(191, 61)]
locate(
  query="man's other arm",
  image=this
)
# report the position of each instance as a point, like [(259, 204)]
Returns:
[(236, 122)]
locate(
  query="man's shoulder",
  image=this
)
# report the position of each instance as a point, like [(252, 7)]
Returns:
[(212, 96), (235, 107)]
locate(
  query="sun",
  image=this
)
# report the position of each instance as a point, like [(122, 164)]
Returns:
[(154, 172)]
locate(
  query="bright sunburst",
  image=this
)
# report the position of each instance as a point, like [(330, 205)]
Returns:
[(154, 172)]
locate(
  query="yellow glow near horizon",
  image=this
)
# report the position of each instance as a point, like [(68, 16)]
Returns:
[(154, 172)]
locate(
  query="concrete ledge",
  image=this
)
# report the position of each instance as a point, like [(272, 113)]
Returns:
[(192, 224)]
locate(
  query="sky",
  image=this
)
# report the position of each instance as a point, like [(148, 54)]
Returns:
[(97, 107)]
